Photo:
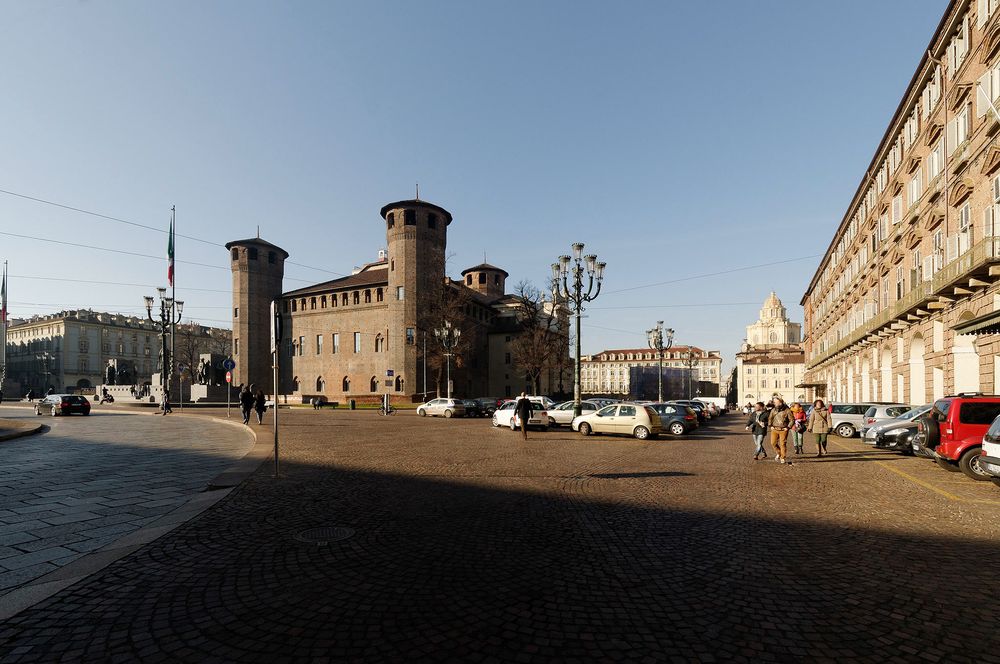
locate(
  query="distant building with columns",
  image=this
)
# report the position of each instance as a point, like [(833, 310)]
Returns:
[(771, 362)]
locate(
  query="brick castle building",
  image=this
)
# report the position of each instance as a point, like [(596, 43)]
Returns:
[(372, 332)]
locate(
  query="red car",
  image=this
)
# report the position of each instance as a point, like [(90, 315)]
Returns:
[(952, 432)]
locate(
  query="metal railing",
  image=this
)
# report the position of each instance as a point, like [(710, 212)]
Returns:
[(984, 252)]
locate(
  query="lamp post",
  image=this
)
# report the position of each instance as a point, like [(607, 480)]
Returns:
[(169, 308), (691, 361), (573, 268), (658, 343), (448, 337)]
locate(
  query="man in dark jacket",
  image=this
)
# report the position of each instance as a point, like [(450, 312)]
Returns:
[(757, 426), (524, 411), (779, 422)]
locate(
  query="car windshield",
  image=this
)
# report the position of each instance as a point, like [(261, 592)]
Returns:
[(914, 413)]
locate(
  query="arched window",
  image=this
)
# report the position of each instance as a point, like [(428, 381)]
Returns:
[(391, 219), (346, 384), (357, 297), (379, 343), (468, 278), (378, 294), (373, 384), (368, 296), (343, 299), (295, 384), (320, 385), (399, 383)]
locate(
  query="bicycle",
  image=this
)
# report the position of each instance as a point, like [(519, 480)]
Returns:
[(386, 410)]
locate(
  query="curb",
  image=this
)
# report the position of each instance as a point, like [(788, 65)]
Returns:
[(20, 429), (222, 485)]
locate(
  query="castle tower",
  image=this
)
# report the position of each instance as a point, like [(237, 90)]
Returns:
[(486, 279), (258, 268), (416, 235)]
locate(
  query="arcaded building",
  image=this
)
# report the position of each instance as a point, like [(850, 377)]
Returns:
[(904, 305), (372, 332)]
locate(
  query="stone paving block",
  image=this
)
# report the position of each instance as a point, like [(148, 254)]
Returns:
[(10, 539), (15, 578), (35, 557), (71, 518)]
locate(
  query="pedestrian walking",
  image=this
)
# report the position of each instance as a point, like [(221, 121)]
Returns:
[(779, 422), (757, 426), (260, 405), (166, 403), (819, 425), (246, 404), (799, 426), (524, 410)]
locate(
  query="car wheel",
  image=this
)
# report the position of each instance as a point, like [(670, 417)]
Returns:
[(55, 411), (552, 422), (845, 431), (995, 480), (969, 464), (448, 413), (677, 429), (421, 412), (584, 428), (495, 422), (513, 427), (642, 433), (950, 466)]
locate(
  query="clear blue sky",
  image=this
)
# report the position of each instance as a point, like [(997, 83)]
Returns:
[(674, 138)]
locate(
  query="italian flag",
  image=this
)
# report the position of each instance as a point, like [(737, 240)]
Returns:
[(170, 255), (3, 299)]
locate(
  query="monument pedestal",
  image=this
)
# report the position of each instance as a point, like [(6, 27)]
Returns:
[(212, 393)]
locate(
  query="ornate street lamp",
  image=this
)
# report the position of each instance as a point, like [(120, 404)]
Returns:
[(448, 337), (170, 314), (691, 361), (573, 292), (660, 343)]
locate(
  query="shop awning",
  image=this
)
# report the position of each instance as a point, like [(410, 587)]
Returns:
[(986, 324)]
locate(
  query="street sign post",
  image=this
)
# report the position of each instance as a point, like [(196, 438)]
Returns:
[(276, 331), (229, 388)]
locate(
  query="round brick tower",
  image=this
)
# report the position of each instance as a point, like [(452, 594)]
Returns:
[(416, 235), (258, 267)]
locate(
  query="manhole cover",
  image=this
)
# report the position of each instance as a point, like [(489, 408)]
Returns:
[(325, 534)]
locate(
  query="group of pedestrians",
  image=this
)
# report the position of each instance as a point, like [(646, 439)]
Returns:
[(778, 420), (252, 399)]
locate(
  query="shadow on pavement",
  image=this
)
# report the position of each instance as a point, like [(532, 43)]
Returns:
[(465, 570)]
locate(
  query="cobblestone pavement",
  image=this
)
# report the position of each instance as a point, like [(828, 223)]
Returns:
[(470, 545), (89, 481)]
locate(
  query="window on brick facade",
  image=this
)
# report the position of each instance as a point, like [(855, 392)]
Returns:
[(357, 342), (368, 296), (432, 220), (357, 297), (390, 219), (336, 342), (236, 254), (409, 217), (373, 384), (272, 257), (252, 253), (411, 336)]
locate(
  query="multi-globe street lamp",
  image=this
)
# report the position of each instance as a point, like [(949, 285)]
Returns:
[(573, 292), (691, 360), (660, 340), (170, 314), (448, 337)]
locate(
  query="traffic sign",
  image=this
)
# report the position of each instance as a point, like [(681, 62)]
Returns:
[(229, 376), (276, 326), (390, 373), (229, 364)]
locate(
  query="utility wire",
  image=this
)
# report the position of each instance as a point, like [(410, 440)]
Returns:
[(147, 227), (715, 274), (109, 283)]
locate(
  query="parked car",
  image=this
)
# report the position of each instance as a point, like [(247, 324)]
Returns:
[(952, 432), (881, 413), (989, 460), (629, 419), (676, 418), (489, 404), (909, 416), (847, 419), (563, 414), (63, 404), (506, 415), (699, 409), (474, 408), (897, 437), (712, 409), (443, 407)]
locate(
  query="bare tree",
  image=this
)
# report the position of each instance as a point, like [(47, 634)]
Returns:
[(542, 342), (193, 339), (448, 304)]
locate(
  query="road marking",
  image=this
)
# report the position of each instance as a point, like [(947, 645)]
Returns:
[(915, 480)]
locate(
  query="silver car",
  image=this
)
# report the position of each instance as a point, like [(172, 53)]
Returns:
[(443, 407), (506, 415), (881, 413), (872, 432), (562, 415), (846, 419)]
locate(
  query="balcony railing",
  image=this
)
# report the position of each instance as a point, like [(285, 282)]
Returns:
[(983, 253)]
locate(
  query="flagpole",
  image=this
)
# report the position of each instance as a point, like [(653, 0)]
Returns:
[(3, 321), (173, 305)]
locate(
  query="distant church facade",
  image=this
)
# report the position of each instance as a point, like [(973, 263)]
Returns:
[(372, 332)]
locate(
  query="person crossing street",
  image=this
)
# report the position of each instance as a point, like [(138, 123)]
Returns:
[(779, 422)]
